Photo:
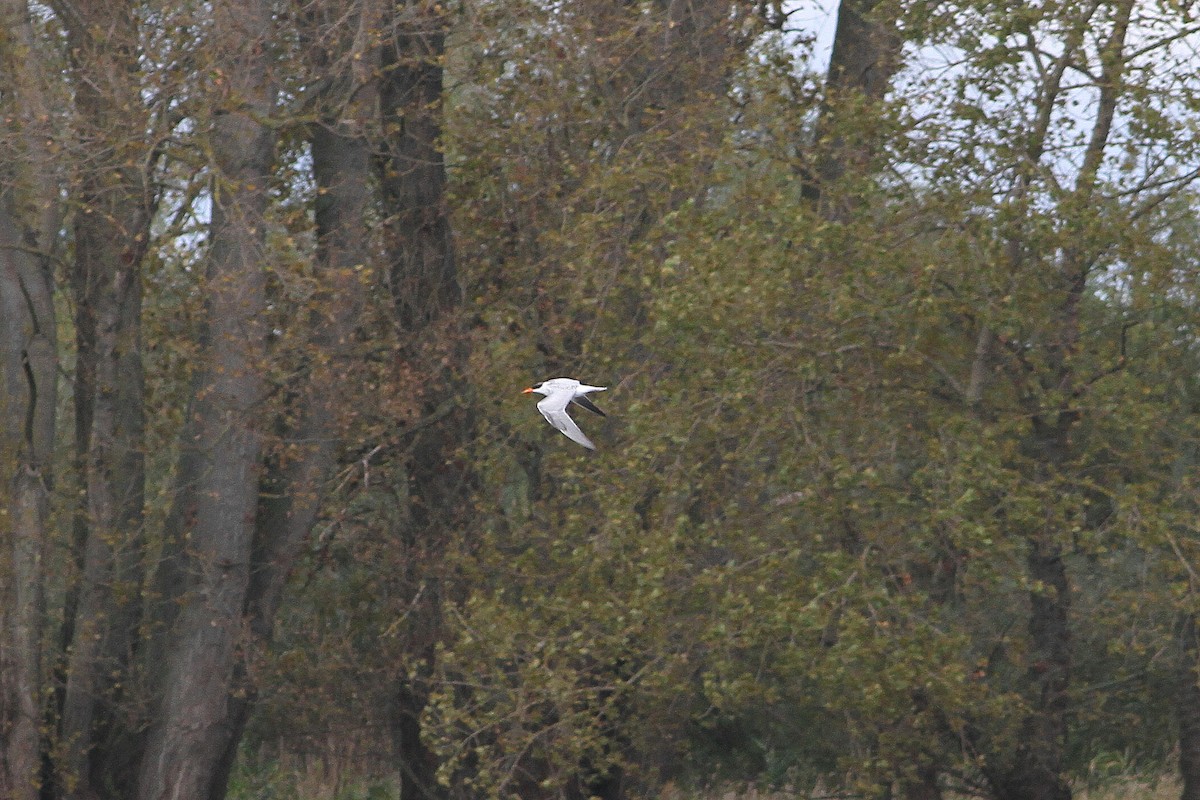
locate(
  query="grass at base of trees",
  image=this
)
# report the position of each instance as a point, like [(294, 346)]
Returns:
[(295, 778), (1134, 788), (300, 779)]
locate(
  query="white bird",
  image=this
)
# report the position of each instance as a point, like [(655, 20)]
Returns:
[(561, 392)]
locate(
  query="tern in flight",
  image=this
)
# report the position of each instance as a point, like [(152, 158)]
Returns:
[(561, 392)]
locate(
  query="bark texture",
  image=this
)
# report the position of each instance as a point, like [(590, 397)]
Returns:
[(294, 479), (28, 360), (29, 208), (1187, 710), (865, 57), (112, 230), (423, 274), (423, 279), (223, 448)]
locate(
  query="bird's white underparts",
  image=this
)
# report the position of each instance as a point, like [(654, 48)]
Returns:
[(560, 393)]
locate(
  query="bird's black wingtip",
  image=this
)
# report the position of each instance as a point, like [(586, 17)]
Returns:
[(588, 404)]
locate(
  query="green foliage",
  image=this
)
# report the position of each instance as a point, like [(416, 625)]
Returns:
[(801, 551), (801, 554), (307, 780)]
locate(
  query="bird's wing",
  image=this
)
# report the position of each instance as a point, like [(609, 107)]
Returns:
[(581, 399), (554, 409)]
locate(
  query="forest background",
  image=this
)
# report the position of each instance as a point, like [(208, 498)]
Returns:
[(896, 498)]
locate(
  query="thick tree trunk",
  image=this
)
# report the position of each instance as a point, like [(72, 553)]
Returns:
[(20, 658), (342, 168), (1187, 710), (425, 290), (865, 51), (293, 490), (865, 57), (1033, 770), (111, 236), (923, 785), (193, 724), (423, 276), (29, 208), (28, 364), (107, 611)]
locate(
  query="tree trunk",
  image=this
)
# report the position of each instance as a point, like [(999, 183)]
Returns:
[(29, 209), (293, 486), (1034, 769), (424, 286), (193, 724), (28, 361), (865, 57), (1187, 710), (20, 705), (112, 230), (865, 51), (342, 169), (922, 785), (423, 276)]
